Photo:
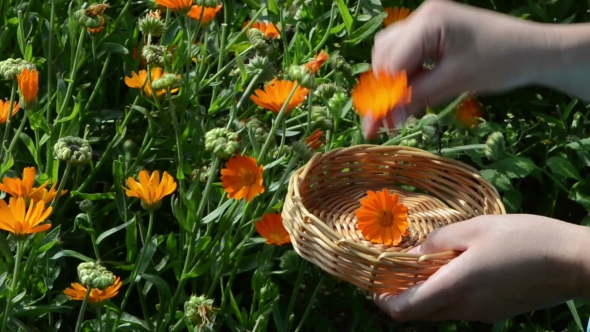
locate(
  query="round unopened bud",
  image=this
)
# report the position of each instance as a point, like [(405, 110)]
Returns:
[(302, 76), (9, 68), (321, 118), (428, 132), (258, 128), (155, 54), (87, 21), (412, 142), (166, 81), (129, 146), (221, 142), (200, 311), (86, 206), (340, 64), (495, 146), (152, 24), (258, 40), (260, 65), (73, 150), (94, 275), (337, 102), (326, 90), (429, 120)]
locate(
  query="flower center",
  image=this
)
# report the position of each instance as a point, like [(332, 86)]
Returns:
[(386, 219), (249, 178)]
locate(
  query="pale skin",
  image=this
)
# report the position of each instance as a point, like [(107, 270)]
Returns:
[(509, 264)]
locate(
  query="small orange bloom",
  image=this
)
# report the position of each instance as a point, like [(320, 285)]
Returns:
[(150, 190), (5, 108), (18, 220), (242, 177), (78, 292), (314, 141), (382, 219), (208, 15), (16, 187), (270, 30), (395, 14), (272, 229), (98, 30), (47, 196), (28, 84), (176, 5), (469, 112), (275, 95), (378, 95), (140, 81), (314, 65)]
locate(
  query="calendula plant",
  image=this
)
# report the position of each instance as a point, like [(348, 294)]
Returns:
[(147, 149)]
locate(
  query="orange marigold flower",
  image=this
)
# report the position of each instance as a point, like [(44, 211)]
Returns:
[(272, 229), (314, 141), (140, 81), (314, 65), (78, 292), (378, 95), (469, 112), (208, 14), (45, 195), (176, 5), (150, 190), (382, 219), (395, 14), (269, 30), (20, 221), (98, 30), (242, 177), (28, 84), (5, 108), (275, 95), (16, 187)]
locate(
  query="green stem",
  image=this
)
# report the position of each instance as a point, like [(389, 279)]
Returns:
[(221, 52), (135, 271), (13, 284), (309, 108), (277, 121), (98, 83), (92, 236), (62, 184), (309, 305), (397, 139), (243, 99), (82, 310), (288, 319), (179, 172), (13, 142), (461, 148), (9, 119), (99, 318), (74, 71)]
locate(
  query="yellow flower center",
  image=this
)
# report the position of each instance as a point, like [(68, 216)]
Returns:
[(386, 219)]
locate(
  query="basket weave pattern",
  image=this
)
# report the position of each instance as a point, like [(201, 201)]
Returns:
[(319, 211)]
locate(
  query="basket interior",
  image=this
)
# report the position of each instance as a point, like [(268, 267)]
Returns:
[(436, 193)]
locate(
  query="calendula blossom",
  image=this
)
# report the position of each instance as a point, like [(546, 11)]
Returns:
[(150, 189), (382, 219)]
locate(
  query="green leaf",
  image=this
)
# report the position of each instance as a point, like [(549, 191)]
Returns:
[(514, 167), (28, 142), (113, 231), (272, 6), (253, 4), (71, 253), (94, 197), (512, 200), (583, 144), (345, 14), (49, 240), (358, 68), (217, 212), (8, 165), (114, 48), (580, 193), (497, 179), (366, 29), (563, 167), (149, 250), (574, 311), (160, 284), (202, 244)]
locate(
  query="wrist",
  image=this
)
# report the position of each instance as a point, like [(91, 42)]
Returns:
[(582, 255)]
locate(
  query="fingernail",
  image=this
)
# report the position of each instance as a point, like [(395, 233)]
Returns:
[(399, 117)]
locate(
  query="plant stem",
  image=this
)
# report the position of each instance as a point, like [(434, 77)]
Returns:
[(99, 318), (309, 305), (302, 269), (179, 172), (135, 271), (13, 142), (82, 310), (243, 99), (92, 236), (98, 83), (62, 184), (13, 284), (9, 119), (277, 120)]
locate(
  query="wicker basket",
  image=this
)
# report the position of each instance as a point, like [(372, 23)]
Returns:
[(319, 211)]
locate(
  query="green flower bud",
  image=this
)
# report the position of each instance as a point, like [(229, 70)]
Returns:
[(321, 118), (73, 150), (429, 120), (495, 146), (86, 206), (285, 151), (204, 173), (412, 142), (129, 146), (260, 65), (337, 102), (87, 21), (428, 132), (326, 90), (258, 40), (301, 75), (221, 142), (9, 68), (152, 24), (94, 275), (302, 150), (340, 64), (166, 81), (200, 311), (258, 128), (290, 261), (155, 54)]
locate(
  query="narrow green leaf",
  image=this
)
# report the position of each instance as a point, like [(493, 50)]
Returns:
[(366, 29), (272, 6), (574, 311), (160, 284), (345, 14), (28, 142), (94, 197), (202, 244), (71, 253), (563, 167), (113, 231), (49, 240), (115, 48), (149, 250)]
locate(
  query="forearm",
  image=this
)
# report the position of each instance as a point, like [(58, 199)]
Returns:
[(565, 63)]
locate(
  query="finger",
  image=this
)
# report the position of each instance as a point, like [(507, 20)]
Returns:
[(458, 236)]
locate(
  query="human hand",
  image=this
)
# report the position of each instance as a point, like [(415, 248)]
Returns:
[(474, 49), (510, 264)]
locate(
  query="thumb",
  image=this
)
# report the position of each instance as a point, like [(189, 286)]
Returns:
[(458, 236)]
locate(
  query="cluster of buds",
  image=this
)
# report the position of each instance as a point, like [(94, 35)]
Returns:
[(201, 173), (73, 150), (167, 81), (9, 68), (94, 275), (337, 102), (260, 65), (495, 146), (221, 142), (321, 119), (340, 64), (327, 90), (429, 122), (199, 310), (258, 40), (152, 24), (301, 75), (156, 54), (258, 128)]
